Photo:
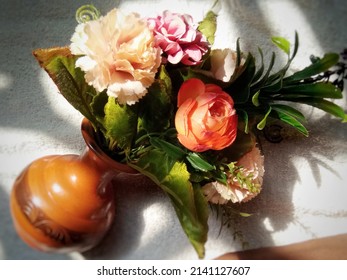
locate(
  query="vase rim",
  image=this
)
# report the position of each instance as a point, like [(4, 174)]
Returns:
[(89, 136)]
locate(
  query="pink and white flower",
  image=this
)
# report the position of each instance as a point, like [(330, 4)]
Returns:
[(178, 38), (251, 166), (118, 53)]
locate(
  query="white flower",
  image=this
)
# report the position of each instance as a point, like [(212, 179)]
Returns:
[(118, 53), (223, 64), (251, 166)]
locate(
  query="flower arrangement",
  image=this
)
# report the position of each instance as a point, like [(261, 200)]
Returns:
[(184, 114)]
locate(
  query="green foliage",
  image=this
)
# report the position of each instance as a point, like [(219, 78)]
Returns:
[(208, 26), (326, 106), (60, 65), (319, 66), (260, 93), (239, 85), (119, 122), (189, 203), (171, 150), (262, 123), (282, 43), (255, 99), (87, 13), (290, 116), (156, 108), (319, 89), (199, 163)]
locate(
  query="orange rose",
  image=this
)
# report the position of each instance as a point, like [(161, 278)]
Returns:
[(206, 118)]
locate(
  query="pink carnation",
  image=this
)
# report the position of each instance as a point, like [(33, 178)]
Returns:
[(178, 39), (250, 165)]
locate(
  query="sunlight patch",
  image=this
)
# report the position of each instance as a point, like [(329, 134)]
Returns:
[(5, 81)]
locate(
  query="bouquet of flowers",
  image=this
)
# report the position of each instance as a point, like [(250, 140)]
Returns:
[(184, 114)]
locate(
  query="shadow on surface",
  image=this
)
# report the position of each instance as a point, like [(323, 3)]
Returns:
[(26, 103), (273, 209), (139, 200), (326, 18)]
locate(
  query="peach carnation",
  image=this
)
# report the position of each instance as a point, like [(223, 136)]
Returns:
[(251, 167), (118, 53)]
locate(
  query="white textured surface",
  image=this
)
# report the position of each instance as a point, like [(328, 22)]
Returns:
[(305, 192)]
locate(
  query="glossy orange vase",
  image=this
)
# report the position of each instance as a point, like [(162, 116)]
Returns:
[(65, 203)]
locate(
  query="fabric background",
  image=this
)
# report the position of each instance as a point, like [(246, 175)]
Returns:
[(304, 193)]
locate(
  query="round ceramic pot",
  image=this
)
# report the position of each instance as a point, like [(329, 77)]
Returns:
[(65, 203)]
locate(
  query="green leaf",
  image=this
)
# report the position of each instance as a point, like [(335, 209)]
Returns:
[(326, 106), (289, 111), (287, 114), (197, 235), (321, 89), (296, 45), (261, 69), (156, 108), (208, 26), (166, 80), (98, 108), (199, 163), (262, 123), (190, 205), (239, 86), (275, 84), (321, 65), (244, 214), (198, 177), (172, 150), (244, 115), (275, 81), (119, 121), (262, 81), (282, 43), (255, 99), (238, 53), (60, 65)]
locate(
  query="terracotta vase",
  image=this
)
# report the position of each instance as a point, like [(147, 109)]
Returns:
[(65, 203)]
